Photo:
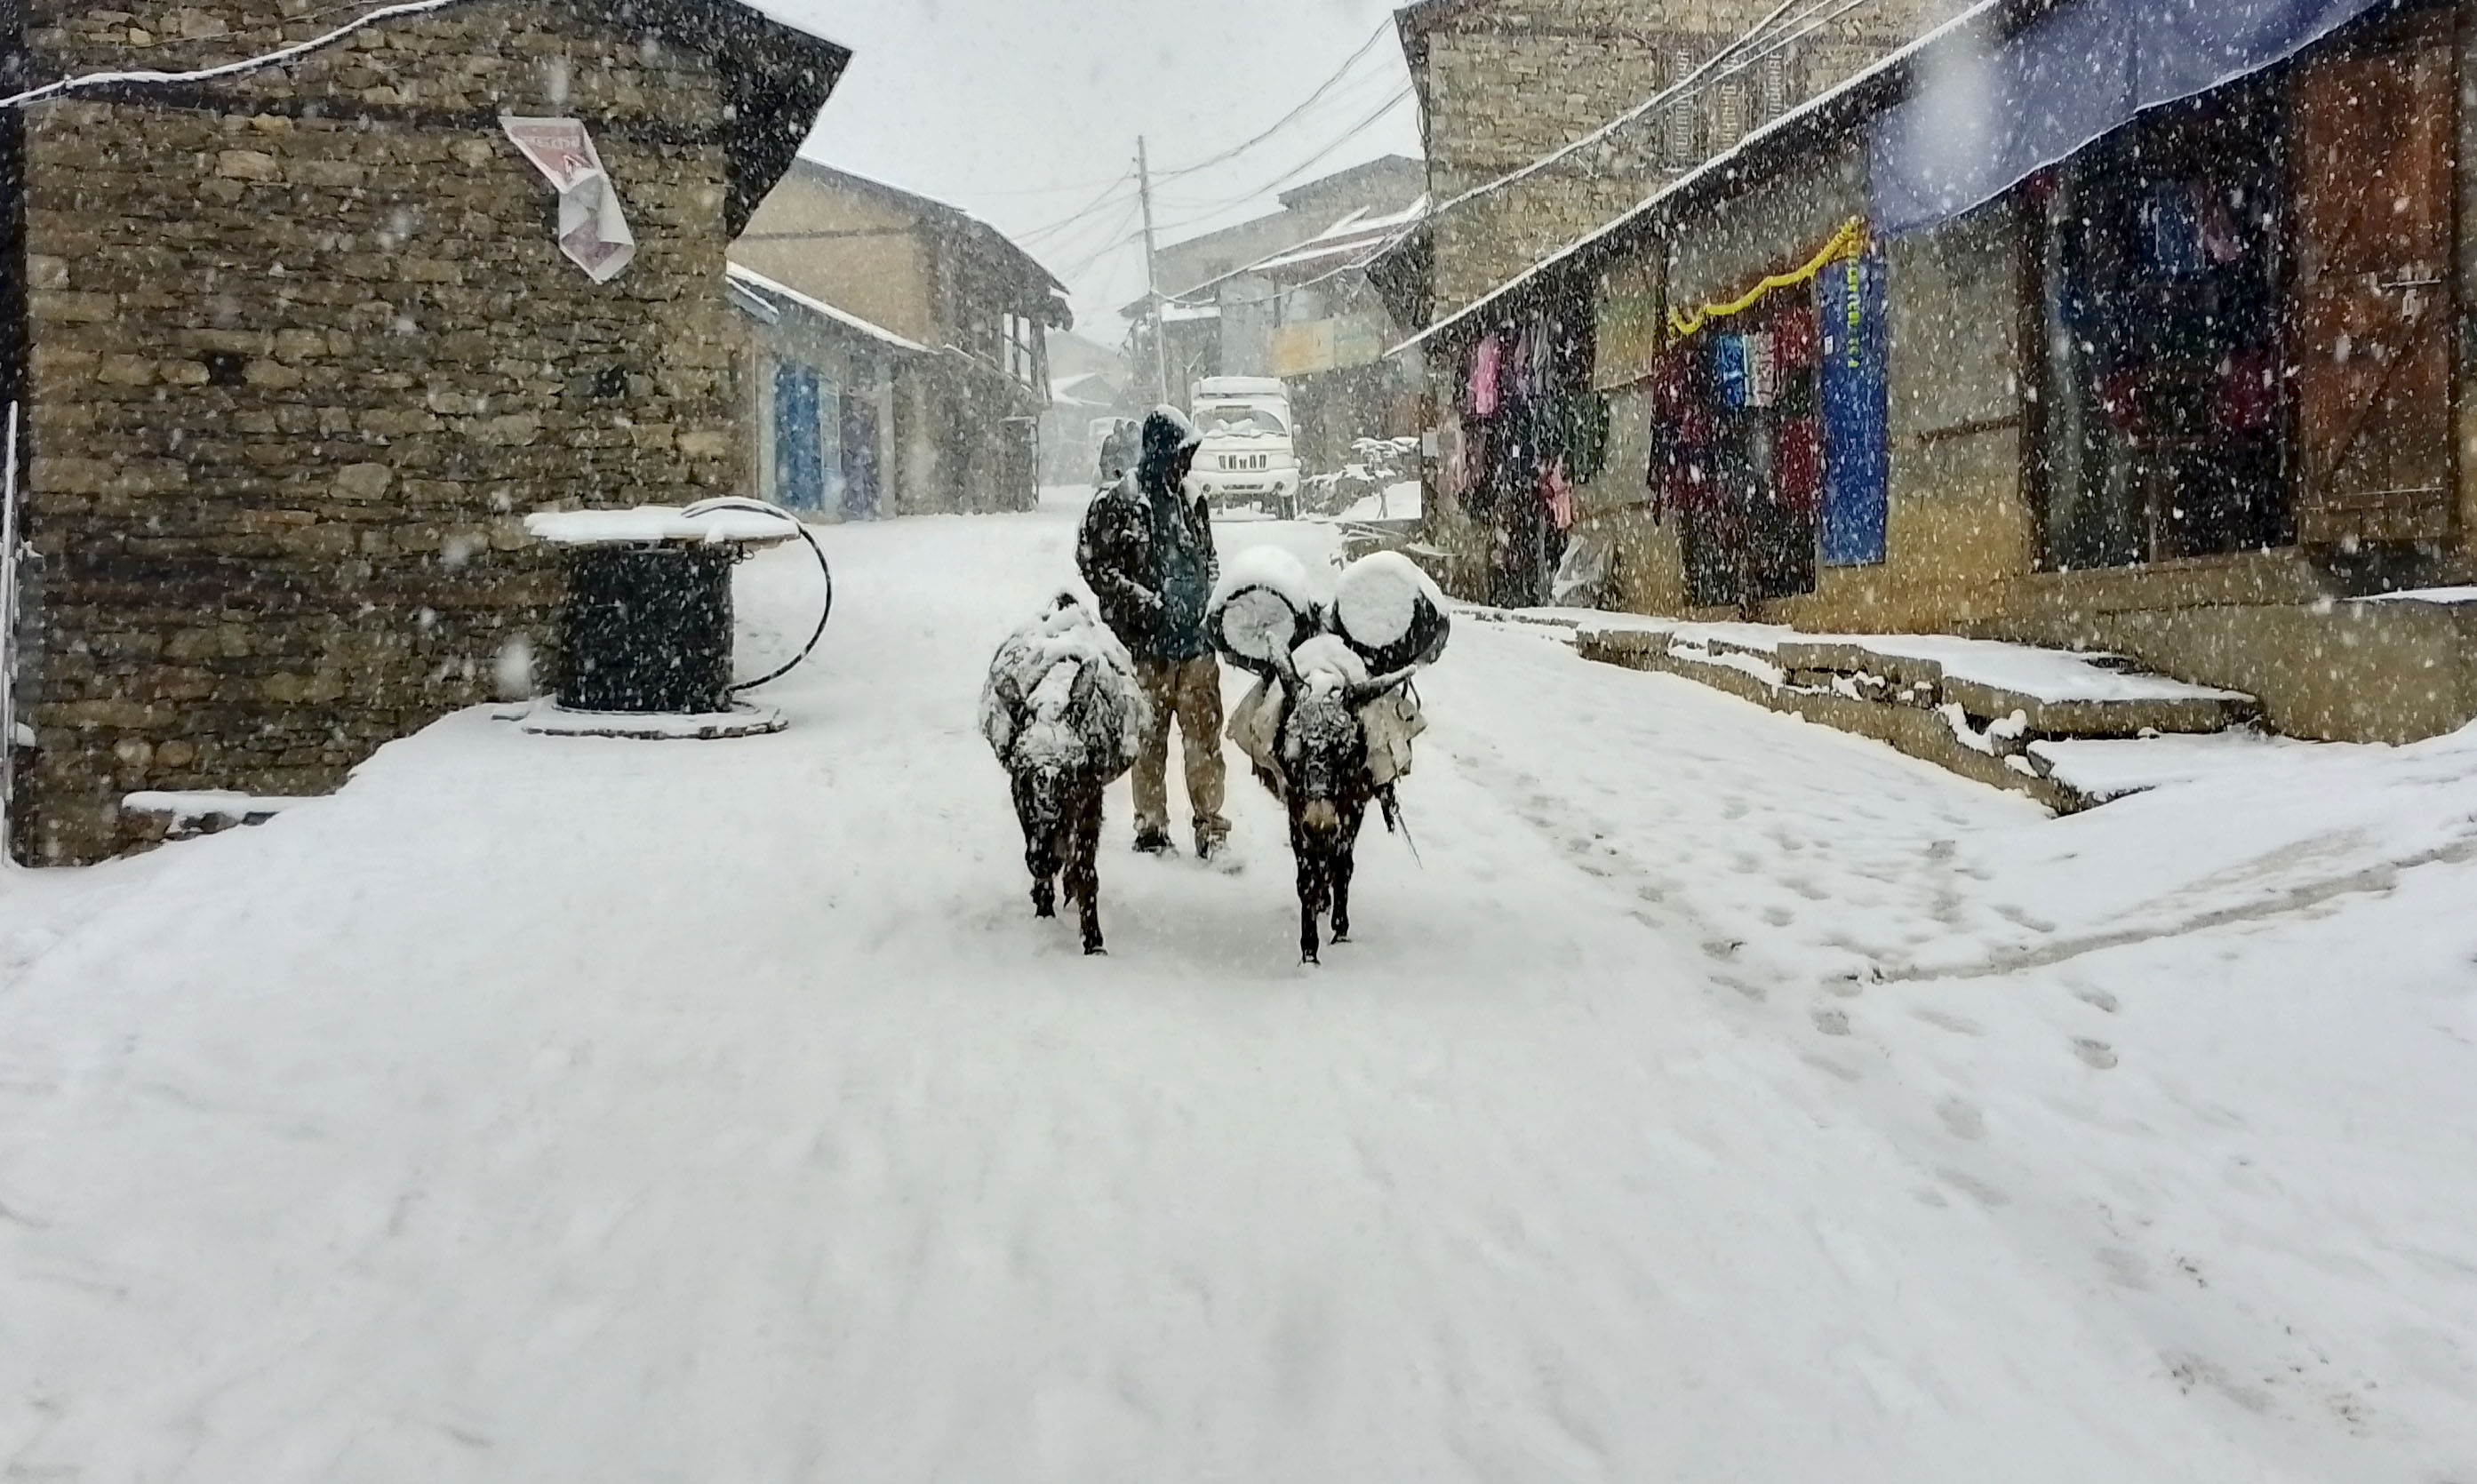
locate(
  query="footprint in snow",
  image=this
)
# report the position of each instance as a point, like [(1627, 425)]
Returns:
[(1831, 1020), (2098, 1053), (1962, 1118)]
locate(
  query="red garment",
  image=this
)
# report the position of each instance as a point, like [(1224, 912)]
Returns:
[(2247, 395), (1682, 425), (1798, 341), (1797, 464)]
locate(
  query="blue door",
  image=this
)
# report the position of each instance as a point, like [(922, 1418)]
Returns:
[(799, 459)]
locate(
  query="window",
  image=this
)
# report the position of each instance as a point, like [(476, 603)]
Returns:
[(1771, 86), (1021, 359), (1682, 118)]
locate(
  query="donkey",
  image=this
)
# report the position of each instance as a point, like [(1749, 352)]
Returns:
[(1325, 783), (1064, 715)]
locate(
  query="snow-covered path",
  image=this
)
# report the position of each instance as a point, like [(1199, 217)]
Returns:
[(568, 1109)]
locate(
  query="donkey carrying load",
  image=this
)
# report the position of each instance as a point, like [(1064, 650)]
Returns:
[(1065, 714), (1329, 725)]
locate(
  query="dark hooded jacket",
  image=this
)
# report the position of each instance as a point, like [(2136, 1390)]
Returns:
[(1146, 548)]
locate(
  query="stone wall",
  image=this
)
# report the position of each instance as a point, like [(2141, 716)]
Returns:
[(305, 353), (1512, 80)]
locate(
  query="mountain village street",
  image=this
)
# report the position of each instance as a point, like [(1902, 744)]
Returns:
[(1710, 1096)]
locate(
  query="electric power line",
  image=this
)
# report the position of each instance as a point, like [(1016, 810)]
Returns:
[(1286, 120), (1400, 96), (1730, 61), (1080, 213), (96, 81)]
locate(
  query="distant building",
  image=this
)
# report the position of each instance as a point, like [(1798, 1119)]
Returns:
[(820, 389), (1193, 337), (297, 351), (946, 307)]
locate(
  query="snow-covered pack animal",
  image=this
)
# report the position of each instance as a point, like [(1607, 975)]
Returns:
[(1063, 712), (1330, 722)]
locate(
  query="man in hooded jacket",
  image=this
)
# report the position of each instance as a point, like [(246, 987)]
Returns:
[(1146, 551)]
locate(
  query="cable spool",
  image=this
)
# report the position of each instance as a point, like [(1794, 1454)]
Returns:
[(1261, 610), (1390, 612)]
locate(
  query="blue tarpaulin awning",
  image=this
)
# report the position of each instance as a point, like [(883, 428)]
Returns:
[(1981, 123)]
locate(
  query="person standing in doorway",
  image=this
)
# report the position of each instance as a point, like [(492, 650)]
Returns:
[(1146, 551)]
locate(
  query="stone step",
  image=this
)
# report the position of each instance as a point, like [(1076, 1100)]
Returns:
[(1909, 691)]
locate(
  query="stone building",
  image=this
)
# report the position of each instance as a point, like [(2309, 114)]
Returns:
[(300, 352), (973, 307), (1504, 83), (2168, 359)]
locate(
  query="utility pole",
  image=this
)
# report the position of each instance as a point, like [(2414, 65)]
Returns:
[(1152, 276)]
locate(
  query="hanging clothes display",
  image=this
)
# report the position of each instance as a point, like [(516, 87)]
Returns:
[(1740, 442)]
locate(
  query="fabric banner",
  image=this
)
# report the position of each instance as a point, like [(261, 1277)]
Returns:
[(1983, 120), (1854, 390), (592, 229)]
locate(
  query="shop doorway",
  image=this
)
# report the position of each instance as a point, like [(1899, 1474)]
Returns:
[(2165, 403)]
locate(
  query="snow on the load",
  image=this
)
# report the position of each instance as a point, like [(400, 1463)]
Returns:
[(1376, 597), (646, 524), (1027, 700), (1274, 568), (1326, 654)]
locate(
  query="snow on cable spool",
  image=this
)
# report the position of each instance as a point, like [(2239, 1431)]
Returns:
[(660, 524), (1392, 612), (1263, 606)]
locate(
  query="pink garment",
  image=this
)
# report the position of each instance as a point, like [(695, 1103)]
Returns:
[(1558, 496), (1486, 365)]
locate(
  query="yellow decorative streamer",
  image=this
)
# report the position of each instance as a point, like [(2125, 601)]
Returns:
[(1848, 242)]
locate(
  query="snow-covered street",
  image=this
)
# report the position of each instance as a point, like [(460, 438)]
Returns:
[(1713, 1097)]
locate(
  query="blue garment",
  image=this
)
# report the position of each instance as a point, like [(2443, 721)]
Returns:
[(1854, 390), (1186, 584), (1732, 377)]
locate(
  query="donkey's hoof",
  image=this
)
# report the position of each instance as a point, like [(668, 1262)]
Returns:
[(1095, 950)]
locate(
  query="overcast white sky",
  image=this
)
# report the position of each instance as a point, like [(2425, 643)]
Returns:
[(1023, 111)]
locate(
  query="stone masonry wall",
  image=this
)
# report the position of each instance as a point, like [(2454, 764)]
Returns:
[(1511, 82), (304, 354)]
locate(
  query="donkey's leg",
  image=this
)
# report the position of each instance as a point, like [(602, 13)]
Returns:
[(1084, 869), (1041, 859), (1345, 861), (1313, 891)]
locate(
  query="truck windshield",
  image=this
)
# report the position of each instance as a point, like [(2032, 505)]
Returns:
[(1233, 420)]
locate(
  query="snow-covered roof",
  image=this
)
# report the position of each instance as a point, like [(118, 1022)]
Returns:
[(1702, 175), (1357, 236), (1180, 313), (750, 278), (1069, 393)]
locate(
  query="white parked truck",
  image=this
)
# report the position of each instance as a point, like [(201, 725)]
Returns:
[(1246, 458)]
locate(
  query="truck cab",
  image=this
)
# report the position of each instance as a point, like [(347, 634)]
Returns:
[(1246, 458)]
